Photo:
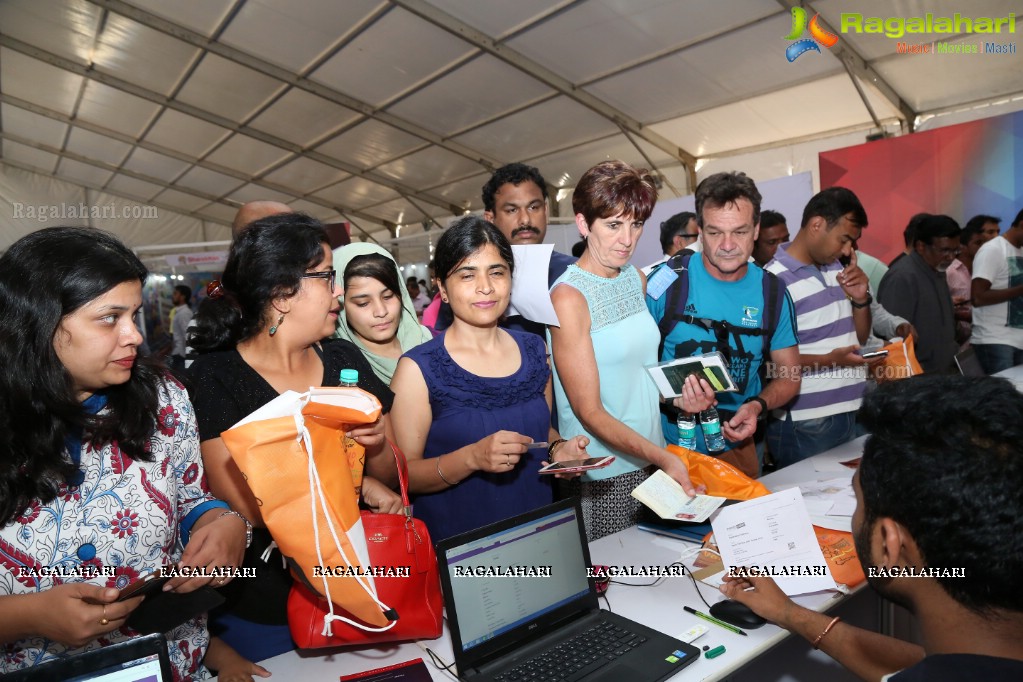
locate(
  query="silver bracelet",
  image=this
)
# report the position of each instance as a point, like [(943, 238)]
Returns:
[(248, 526), (442, 476)]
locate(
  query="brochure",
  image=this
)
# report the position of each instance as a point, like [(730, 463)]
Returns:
[(671, 376)]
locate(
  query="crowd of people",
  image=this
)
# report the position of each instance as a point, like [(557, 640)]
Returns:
[(110, 463)]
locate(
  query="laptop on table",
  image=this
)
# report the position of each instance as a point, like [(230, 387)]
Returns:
[(520, 607), (141, 659)]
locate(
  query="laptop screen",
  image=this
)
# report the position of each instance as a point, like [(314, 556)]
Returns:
[(140, 659), (512, 576), (145, 669)]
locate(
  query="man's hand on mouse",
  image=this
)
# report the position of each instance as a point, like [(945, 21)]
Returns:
[(763, 596)]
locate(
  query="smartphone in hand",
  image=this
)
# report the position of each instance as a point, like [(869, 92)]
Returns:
[(572, 466), (146, 585)]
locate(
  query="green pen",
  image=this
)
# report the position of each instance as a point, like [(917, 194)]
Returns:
[(714, 620)]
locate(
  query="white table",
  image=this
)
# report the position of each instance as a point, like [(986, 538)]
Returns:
[(659, 607)]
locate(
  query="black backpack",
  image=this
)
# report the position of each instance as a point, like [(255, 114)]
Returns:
[(678, 296)]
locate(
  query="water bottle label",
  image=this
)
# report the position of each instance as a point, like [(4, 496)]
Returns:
[(712, 428)]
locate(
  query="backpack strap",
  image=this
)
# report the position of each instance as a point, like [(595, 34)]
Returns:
[(678, 296)]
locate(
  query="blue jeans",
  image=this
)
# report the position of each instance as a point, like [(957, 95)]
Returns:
[(994, 357), (793, 441)]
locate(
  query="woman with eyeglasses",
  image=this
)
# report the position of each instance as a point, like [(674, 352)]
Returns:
[(101, 480), (263, 330)]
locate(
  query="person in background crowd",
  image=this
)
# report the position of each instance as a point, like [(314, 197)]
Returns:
[(101, 468), (998, 300), (834, 318), (940, 568), (419, 298), (432, 311), (262, 331), (915, 289), (377, 313), (909, 236), (678, 232), (255, 210), (468, 403), (773, 233), (960, 273), (605, 340), (182, 317)]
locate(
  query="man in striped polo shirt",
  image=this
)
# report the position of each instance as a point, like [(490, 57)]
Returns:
[(833, 317)]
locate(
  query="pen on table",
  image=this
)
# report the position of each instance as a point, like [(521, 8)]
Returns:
[(714, 620), (541, 444)]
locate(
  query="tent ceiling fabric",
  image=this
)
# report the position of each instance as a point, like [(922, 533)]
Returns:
[(393, 112)]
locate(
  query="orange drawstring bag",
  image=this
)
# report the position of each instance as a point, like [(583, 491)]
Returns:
[(288, 451)]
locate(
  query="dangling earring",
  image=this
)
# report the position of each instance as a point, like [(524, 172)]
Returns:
[(273, 329)]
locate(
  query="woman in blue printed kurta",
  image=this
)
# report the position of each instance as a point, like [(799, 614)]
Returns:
[(101, 481)]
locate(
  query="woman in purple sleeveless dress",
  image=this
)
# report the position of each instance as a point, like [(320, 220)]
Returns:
[(469, 402)]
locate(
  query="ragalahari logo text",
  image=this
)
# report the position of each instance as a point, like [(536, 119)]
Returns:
[(818, 35)]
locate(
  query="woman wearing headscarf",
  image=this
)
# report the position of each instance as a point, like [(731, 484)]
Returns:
[(377, 313)]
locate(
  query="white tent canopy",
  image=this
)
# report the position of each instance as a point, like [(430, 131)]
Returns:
[(392, 113)]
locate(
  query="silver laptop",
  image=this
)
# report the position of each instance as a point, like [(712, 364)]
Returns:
[(520, 606)]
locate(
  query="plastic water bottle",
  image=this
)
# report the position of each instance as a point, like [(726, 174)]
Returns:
[(711, 423), (686, 424), (349, 377)]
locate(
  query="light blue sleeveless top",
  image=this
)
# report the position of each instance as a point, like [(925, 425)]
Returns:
[(625, 339)]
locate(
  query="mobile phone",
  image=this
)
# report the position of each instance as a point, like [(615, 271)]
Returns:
[(571, 466), (875, 354), (146, 585)]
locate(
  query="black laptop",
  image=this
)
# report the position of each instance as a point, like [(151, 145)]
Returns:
[(142, 659), (520, 606)]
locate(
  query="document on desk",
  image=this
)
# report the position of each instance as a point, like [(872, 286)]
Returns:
[(773, 535), (530, 296), (665, 496)]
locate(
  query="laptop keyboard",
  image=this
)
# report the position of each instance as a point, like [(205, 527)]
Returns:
[(577, 657)]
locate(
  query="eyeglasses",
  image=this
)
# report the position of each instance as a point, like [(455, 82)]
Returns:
[(686, 235), (329, 275)]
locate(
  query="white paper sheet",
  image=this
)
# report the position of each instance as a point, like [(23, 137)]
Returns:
[(530, 296), (774, 531)]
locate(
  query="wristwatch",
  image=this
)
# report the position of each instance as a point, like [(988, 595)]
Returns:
[(854, 304), (763, 406)]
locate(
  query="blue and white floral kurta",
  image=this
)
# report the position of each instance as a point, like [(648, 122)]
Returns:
[(125, 520)]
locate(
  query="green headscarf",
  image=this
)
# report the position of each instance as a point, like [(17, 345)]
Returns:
[(410, 332)]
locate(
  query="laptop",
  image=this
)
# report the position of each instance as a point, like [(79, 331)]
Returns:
[(968, 364), (520, 606), (142, 659)]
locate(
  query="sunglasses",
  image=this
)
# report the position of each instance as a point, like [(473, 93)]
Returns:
[(329, 275)]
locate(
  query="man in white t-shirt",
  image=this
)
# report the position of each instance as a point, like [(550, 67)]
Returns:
[(998, 300)]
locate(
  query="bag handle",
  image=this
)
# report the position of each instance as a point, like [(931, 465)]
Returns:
[(401, 464)]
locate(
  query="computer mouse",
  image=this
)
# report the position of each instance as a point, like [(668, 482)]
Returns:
[(737, 614)]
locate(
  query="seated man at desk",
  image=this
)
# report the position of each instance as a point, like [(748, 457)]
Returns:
[(937, 531)]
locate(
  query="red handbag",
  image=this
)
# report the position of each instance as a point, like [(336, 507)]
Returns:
[(407, 583)]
